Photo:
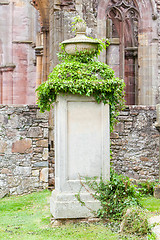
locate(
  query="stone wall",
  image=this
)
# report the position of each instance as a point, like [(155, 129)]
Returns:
[(23, 149), (26, 165), (135, 143)]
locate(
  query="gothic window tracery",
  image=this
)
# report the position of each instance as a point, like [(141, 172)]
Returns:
[(123, 16)]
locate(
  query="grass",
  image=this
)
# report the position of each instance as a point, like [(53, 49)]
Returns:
[(28, 218), (151, 204)]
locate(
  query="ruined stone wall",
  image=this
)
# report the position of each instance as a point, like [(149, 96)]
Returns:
[(145, 84), (26, 165), (135, 143), (18, 26), (23, 149)]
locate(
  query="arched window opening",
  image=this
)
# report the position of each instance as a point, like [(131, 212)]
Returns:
[(122, 30)]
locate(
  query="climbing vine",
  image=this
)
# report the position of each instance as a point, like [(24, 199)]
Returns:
[(83, 74)]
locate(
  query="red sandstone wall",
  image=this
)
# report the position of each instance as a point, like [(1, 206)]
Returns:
[(18, 27)]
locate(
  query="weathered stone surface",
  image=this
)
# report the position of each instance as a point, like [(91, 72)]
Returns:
[(3, 146), (24, 171), (35, 173), (19, 173), (22, 146), (41, 164), (34, 132), (135, 152), (4, 193), (42, 143), (87, 149), (44, 175), (45, 154), (5, 171), (45, 132), (114, 135), (40, 115), (157, 191)]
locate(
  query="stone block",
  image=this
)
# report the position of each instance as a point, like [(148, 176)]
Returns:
[(144, 159), (3, 146), (51, 182), (2, 183), (44, 125), (5, 171), (35, 173), (24, 171), (45, 154), (44, 175), (34, 132), (157, 192), (42, 115), (114, 135), (14, 121), (41, 164), (38, 150), (42, 143), (22, 146), (11, 133), (78, 2), (37, 156), (57, 2), (119, 127), (1, 118), (65, 205), (4, 193), (45, 132)]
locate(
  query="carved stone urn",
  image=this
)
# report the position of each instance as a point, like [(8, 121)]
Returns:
[(81, 43)]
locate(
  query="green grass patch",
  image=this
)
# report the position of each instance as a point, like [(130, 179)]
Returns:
[(28, 217), (151, 204)]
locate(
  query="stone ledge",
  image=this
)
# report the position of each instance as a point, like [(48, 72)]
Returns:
[(141, 107), (19, 105)]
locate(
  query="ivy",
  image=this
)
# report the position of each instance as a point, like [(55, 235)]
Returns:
[(114, 195), (77, 19), (83, 74)]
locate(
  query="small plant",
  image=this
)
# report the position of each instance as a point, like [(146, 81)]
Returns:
[(147, 187), (114, 195), (135, 221)]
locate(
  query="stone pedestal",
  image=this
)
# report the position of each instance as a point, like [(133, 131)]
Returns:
[(157, 191), (82, 148)]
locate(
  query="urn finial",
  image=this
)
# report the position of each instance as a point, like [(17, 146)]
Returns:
[(81, 43), (80, 27)]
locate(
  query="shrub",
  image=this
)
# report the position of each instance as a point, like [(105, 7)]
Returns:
[(114, 195), (146, 187)]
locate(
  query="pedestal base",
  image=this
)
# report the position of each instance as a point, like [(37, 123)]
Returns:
[(157, 192), (65, 205)]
